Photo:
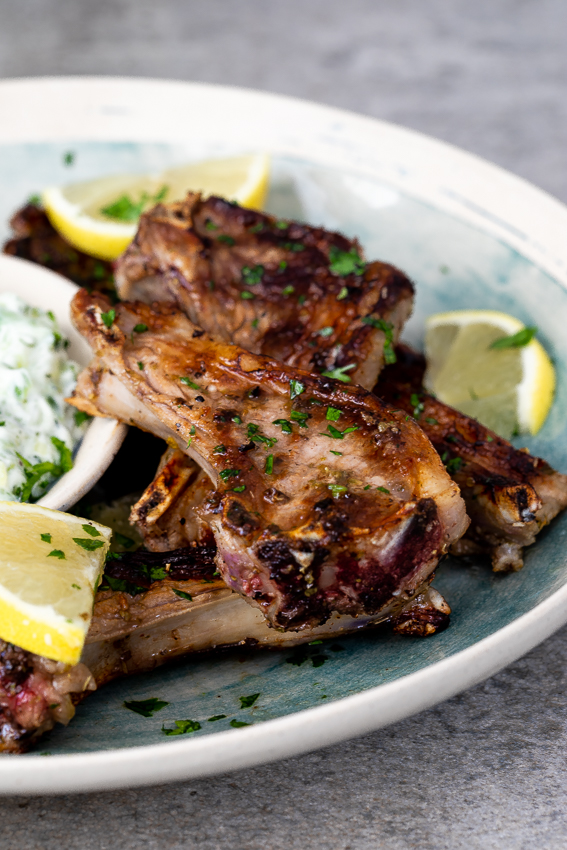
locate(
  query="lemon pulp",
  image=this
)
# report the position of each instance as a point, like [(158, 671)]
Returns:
[(50, 566), (510, 389)]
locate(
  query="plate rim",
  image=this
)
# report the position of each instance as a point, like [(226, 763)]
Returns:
[(322, 725)]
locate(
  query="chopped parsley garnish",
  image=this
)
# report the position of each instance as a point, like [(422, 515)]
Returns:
[(228, 240), (225, 474), (88, 543), (383, 490), (333, 414), (388, 329), (295, 388), (295, 247), (339, 373), (239, 489), (333, 452), (189, 383), (517, 340), (68, 158), (367, 487), (417, 404), (254, 433), (216, 717), (237, 420), (256, 228), (343, 263), (210, 225), (120, 584), (324, 332), (301, 299), (285, 425), (35, 472), (90, 529), (35, 200), (281, 225), (254, 323), (46, 537), (247, 702), (299, 417), (124, 541), (431, 421), (57, 553), (76, 586), (454, 464), (140, 328), (247, 295), (79, 416), (251, 275), (282, 266), (339, 435), (140, 365), (288, 290), (128, 210), (182, 727), (269, 465), (146, 707), (108, 317), (182, 594), (343, 293), (219, 450), (238, 724), (337, 489)]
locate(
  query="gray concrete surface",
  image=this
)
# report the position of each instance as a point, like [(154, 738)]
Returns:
[(488, 768)]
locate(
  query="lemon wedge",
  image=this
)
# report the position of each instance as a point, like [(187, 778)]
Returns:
[(100, 217), (488, 365), (50, 566)]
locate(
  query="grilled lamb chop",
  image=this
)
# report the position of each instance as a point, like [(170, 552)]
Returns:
[(296, 293), (510, 495), (35, 693), (351, 511), (141, 621)]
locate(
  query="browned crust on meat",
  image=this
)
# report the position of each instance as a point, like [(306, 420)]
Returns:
[(290, 306)]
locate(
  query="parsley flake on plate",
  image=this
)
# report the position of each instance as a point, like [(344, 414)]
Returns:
[(146, 707), (247, 702), (182, 727)]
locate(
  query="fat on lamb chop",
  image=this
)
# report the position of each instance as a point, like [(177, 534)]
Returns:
[(299, 294), (509, 494), (324, 500)]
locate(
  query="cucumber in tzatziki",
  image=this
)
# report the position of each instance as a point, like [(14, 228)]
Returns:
[(38, 429)]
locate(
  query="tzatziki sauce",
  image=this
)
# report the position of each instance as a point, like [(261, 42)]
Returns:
[(38, 429)]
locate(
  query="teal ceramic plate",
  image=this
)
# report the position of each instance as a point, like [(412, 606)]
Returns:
[(469, 235)]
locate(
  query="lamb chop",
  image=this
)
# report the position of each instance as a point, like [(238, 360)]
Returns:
[(349, 514), (510, 495), (142, 620), (149, 610), (299, 294)]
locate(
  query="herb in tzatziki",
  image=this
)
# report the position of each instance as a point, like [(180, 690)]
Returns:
[(38, 429)]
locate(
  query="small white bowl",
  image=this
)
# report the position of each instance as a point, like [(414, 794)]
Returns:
[(42, 288)]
